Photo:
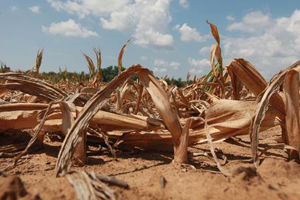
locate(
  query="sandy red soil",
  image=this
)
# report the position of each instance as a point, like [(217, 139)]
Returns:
[(276, 177)]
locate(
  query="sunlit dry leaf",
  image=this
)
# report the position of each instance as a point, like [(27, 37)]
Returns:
[(195, 79), (272, 88), (99, 74), (32, 86), (121, 55), (291, 91), (164, 108), (88, 186), (98, 57), (214, 31), (182, 149), (217, 72), (141, 88), (38, 62), (67, 120), (227, 118), (235, 83), (90, 64), (188, 78), (19, 116), (248, 75), (212, 149), (253, 80)]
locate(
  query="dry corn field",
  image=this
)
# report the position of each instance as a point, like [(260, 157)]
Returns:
[(227, 135)]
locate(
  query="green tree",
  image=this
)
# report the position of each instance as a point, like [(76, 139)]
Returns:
[(110, 72), (4, 68)]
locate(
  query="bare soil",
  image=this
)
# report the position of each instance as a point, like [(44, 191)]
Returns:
[(151, 175)]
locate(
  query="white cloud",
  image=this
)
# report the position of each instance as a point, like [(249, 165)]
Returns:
[(230, 17), (166, 64), (13, 8), (147, 20), (274, 46), (35, 9), (69, 29), (252, 22), (160, 70), (199, 63), (154, 39), (189, 34), (83, 8), (195, 71), (143, 57), (184, 3), (122, 20), (205, 50)]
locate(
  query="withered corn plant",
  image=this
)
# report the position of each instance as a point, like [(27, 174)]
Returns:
[(96, 76), (38, 62), (121, 55), (150, 114)]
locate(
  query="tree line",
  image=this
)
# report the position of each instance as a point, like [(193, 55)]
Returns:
[(108, 74)]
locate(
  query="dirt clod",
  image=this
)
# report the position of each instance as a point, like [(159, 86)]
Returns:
[(12, 188)]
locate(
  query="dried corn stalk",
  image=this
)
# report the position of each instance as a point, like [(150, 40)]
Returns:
[(291, 132), (99, 74), (33, 86), (38, 62), (88, 186), (291, 88), (91, 65), (121, 55)]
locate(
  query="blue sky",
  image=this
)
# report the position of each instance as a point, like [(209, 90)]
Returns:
[(169, 36)]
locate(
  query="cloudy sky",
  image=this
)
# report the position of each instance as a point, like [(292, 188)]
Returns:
[(169, 36)]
